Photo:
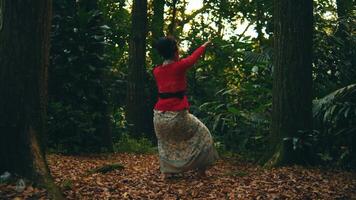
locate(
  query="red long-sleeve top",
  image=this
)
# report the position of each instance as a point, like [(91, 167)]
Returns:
[(171, 78)]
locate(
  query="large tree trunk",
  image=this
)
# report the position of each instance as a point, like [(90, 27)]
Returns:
[(24, 54), (292, 84), (136, 99)]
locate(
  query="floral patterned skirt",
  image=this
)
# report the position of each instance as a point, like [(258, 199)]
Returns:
[(184, 142)]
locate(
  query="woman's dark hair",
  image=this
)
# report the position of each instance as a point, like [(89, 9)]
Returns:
[(166, 47)]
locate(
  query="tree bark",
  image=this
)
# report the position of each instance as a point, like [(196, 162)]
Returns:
[(292, 84), (157, 26), (24, 56), (347, 67), (259, 25), (136, 98), (173, 25)]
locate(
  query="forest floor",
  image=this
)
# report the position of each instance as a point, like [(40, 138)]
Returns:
[(139, 178)]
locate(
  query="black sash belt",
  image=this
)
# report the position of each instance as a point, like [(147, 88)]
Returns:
[(167, 95)]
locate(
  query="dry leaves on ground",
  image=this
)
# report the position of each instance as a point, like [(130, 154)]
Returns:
[(140, 179)]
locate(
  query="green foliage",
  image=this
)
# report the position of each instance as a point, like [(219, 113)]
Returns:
[(334, 55), (78, 91), (230, 88), (71, 130), (129, 144), (232, 85), (335, 121)]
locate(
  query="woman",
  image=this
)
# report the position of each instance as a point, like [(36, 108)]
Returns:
[(184, 142)]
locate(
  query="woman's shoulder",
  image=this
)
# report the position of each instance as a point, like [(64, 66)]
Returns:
[(155, 67), (166, 66)]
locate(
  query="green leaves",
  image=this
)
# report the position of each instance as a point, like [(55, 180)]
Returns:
[(233, 110), (335, 119), (79, 74)]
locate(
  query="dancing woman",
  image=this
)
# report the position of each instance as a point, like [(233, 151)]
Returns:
[(184, 142)]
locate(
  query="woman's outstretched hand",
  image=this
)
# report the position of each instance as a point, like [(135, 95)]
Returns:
[(207, 43)]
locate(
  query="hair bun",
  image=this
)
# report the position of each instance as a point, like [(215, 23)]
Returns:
[(166, 46)]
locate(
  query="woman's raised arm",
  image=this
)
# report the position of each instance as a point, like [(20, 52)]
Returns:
[(189, 61)]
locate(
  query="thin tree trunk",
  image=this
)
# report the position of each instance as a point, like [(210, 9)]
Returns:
[(24, 56), (292, 84), (173, 25), (136, 98), (259, 15), (348, 71), (157, 26), (220, 24)]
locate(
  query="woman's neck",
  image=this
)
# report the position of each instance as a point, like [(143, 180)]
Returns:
[(166, 62), (172, 60)]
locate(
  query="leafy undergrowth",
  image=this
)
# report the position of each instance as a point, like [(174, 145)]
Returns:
[(138, 177)]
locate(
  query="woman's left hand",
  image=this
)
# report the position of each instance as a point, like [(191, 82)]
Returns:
[(207, 43)]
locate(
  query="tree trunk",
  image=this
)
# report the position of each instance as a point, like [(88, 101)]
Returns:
[(157, 26), (292, 84), (348, 60), (259, 25), (136, 98), (24, 56), (173, 25)]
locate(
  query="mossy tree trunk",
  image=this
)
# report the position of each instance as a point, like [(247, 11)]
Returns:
[(292, 84), (24, 56), (136, 109)]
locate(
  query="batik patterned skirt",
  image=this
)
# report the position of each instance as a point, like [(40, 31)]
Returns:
[(184, 142)]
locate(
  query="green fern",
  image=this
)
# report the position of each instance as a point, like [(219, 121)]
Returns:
[(338, 106), (335, 123)]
